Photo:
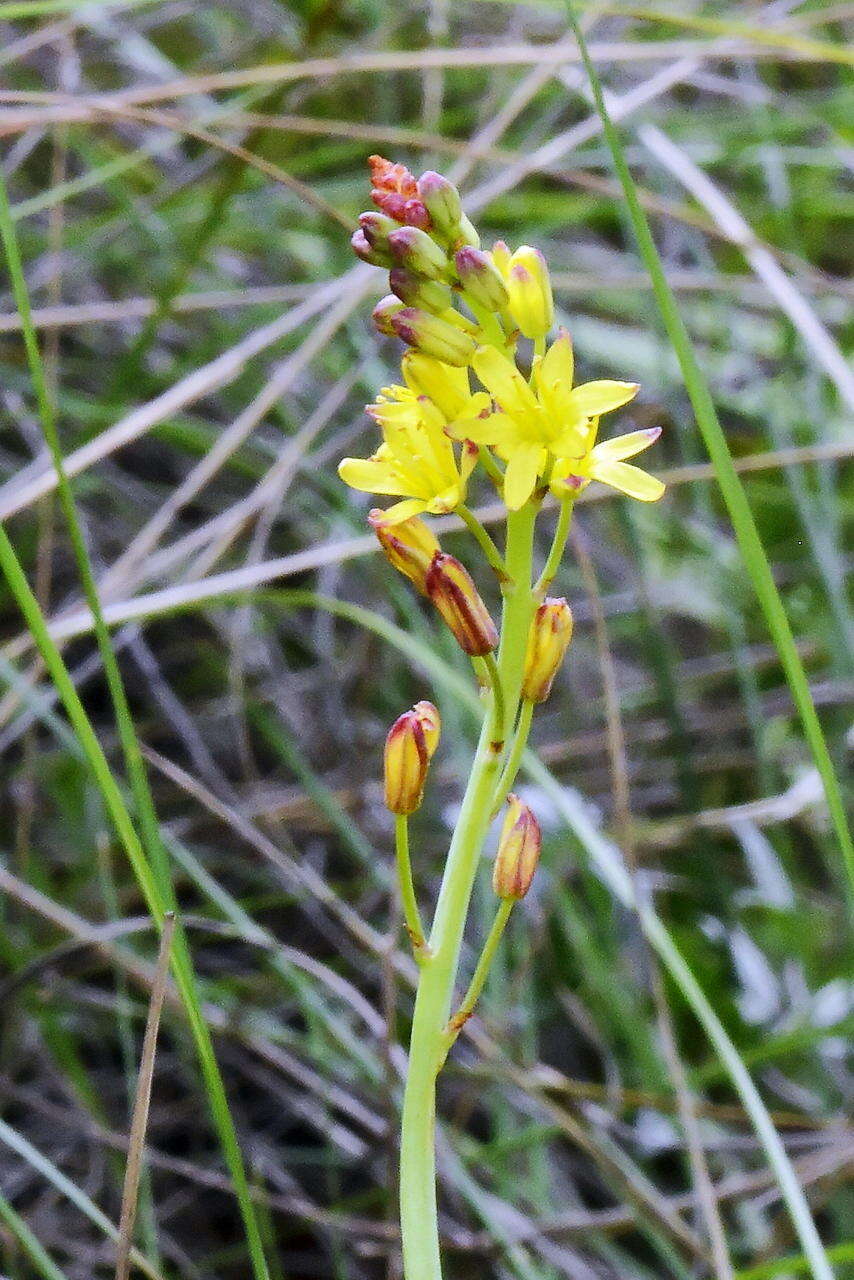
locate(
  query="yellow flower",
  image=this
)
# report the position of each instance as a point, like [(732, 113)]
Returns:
[(605, 462), (417, 460), (532, 425)]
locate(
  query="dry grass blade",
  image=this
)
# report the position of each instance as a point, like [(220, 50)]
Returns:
[(139, 1119)]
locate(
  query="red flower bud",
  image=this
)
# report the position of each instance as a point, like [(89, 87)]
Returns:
[(377, 228), (409, 546), (548, 637), (518, 851), (409, 746), (361, 246), (450, 587), (442, 201), (413, 248), (384, 312), (387, 176), (433, 336), (480, 278)]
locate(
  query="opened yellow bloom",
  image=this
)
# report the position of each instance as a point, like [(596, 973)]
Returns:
[(417, 461), (606, 462), (534, 425)]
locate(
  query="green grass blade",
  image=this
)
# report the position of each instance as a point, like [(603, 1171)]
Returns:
[(47, 1169), (794, 1262), (155, 880), (42, 1262), (750, 544), (756, 561)]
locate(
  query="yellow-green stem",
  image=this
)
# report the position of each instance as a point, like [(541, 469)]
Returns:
[(511, 768), (411, 914), (550, 568), (485, 542), (491, 467), (496, 746), (418, 1213), (481, 973)]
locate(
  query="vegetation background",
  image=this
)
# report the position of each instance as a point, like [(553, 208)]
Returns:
[(182, 178)]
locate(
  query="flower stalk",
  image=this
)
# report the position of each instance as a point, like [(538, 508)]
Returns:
[(464, 410)]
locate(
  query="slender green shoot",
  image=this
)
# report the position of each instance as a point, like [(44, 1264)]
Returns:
[(409, 902), (481, 973)]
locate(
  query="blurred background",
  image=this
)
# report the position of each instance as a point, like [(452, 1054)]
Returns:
[(183, 179)]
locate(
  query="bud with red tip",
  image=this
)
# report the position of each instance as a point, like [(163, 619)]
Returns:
[(450, 587), (530, 291), (409, 546), (409, 747), (442, 201), (480, 278), (433, 336), (384, 312), (361, 246), (417, 251), (415, 291), (518, 851), (376, 228), (548, 638)]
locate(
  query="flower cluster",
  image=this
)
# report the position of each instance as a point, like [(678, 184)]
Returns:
[(462, 311)]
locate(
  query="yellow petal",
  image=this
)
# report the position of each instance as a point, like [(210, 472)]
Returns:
[(369, 476), (506, 383), (404, 510), (468, 462), (447, 500), (523, 468), (554, 374), (592, 398), (628, 479), (573, 441), (626, 446), (482, 430)]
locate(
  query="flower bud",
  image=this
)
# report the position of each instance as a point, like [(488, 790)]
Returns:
[(415, 215), (410, 744), (377, 228), (413, 248), (480, 278), (387, 176), (415, 291), (408, 546), (442, 201), (384, 312), (362, 248), (433, 336), (466, 234), (501, 257), (431, 724), (450, 587), (518, 851), (530, 290), (548, 637)]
